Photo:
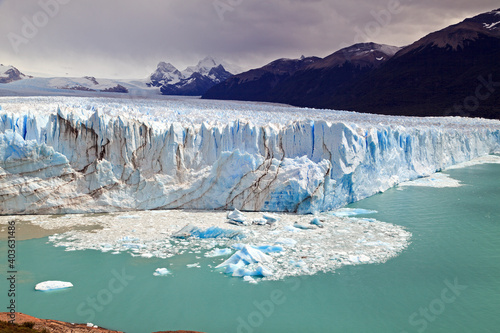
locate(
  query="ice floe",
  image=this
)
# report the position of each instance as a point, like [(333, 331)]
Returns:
[(161, 272), (53, 285), (438, 180)]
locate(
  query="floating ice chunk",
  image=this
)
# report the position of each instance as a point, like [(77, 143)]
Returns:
[(248, 255), (218, 253), (345, 212), (303, 227), (298, 263), (249, 279), (439, 180), (263, 248), (270, 218), (215, 232), (185, 232), (195, 265), (259, 271), (161, 272), (262, 271), (364, 258), (242, 271), (259, 222), (269, 248), (133, 245), (128, 217), (286, 241), (212, 232), (53, 285), (231, 268), (359, 259), (147, 255), (291, 229), (316, 221), (236, 216)]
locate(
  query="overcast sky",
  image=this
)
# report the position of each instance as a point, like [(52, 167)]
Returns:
[(127, 38)]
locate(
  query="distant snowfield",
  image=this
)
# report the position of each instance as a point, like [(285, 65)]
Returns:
[(80, 155)]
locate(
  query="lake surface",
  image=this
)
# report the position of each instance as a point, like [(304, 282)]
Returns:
[(446, 281)]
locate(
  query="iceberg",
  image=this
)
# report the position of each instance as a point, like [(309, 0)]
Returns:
[(271, 219), (81, 155), (53, 285), (236, 216), (260, 271), (212, 232), (315, 221), (247, 255), (263, 248), (240, 263), (161, 272), (301, 226)]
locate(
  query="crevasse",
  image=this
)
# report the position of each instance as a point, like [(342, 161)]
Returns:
[(69, 161)]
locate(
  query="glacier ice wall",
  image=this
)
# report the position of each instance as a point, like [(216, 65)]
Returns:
[(67, 160)]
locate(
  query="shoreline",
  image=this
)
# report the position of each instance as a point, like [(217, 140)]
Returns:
[(56, 326)]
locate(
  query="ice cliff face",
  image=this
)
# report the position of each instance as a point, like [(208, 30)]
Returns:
[(74, 158)]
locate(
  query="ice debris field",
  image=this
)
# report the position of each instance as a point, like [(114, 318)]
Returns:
[(80, 155), (255, 246)]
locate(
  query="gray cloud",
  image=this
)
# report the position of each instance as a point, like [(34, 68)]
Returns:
[(125, 38)]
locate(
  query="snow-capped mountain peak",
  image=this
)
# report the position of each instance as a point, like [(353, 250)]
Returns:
[(462, 34), (206, 64), (9, 74), (165, 73), (166, 67), (194, 80)]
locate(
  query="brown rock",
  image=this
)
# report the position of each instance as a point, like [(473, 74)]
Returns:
[(54, 326)]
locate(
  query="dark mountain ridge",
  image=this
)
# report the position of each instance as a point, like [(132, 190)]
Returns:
[(453, 71)]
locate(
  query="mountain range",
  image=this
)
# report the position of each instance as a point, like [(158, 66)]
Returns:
[(454, 71), (194, 80), (451, 72), (302, 81), (166, 80)]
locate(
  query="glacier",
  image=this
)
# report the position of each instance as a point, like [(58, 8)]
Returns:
[(80, 155)]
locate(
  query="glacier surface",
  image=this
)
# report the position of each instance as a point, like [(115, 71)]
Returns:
[(80, 155)]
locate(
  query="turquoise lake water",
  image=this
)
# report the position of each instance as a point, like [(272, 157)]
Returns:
[(448, 280)]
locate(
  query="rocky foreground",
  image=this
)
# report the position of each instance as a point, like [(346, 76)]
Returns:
[(55, 326)]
